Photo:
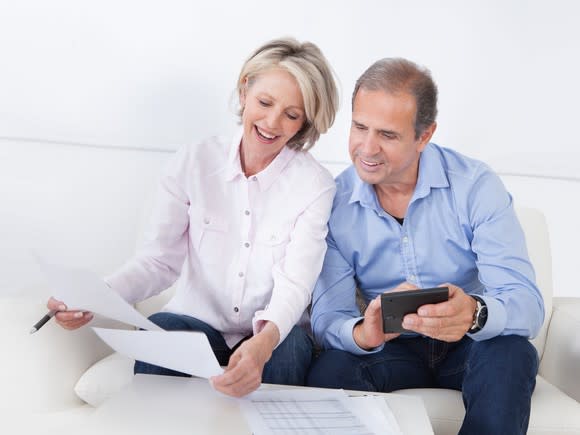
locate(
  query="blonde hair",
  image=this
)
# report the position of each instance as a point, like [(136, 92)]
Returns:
[(306, 63)]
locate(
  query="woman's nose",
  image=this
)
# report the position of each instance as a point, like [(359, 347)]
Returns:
[(273, 119)]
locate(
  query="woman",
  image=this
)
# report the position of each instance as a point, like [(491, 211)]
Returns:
[(242, 224)]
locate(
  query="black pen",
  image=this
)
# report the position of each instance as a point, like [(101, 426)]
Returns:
[(42, 321)]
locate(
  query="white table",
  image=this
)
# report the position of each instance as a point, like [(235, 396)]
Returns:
[(170, 405)]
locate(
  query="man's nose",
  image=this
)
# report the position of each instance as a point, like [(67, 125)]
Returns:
[(369, 145)]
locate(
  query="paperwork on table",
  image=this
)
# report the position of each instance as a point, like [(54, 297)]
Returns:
[(329, 412)]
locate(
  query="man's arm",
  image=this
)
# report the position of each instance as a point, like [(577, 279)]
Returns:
[(514, 302), (334, 310)]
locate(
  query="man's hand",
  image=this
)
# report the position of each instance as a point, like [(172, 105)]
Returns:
[(369, 333), (244, 372), (446, 321), (68, 319)]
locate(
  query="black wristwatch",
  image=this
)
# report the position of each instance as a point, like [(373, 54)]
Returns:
[(479, 316)]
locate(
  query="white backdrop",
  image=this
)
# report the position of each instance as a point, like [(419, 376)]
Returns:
[(158, 74)]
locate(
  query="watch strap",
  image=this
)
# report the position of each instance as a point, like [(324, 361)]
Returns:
[(479, 316)]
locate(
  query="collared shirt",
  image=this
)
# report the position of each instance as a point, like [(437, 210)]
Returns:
[(460, 228), (247, 250)]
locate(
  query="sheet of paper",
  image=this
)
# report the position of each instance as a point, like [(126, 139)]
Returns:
[(376, 410), (184, 351), (313, 412), (85, 290)]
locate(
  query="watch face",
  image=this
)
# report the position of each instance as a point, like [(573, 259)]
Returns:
[(482, 316)]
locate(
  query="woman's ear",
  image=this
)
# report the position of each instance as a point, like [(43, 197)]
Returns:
[(243, 92)]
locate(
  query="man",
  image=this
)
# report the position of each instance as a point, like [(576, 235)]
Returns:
[(410, 214)]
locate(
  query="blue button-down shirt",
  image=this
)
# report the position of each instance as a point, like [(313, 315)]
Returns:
[(460, 228)]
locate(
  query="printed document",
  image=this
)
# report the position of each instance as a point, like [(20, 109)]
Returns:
[(329, 412)]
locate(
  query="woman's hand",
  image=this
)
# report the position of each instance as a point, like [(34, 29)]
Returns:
[(68, 319), (244, 372)]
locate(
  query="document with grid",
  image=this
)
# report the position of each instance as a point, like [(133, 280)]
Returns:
[(317, 412)]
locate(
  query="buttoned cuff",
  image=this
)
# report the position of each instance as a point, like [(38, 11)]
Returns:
[(347, 339), (496, 320)]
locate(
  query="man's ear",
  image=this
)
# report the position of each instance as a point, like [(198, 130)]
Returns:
[(426, 137)]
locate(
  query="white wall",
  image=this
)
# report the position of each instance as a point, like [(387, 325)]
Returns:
[(157, 74)]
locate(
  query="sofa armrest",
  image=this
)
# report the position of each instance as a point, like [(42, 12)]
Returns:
[(38, 372), (561, 358)]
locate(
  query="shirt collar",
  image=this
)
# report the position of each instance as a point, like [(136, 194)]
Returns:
[(265, 177), (431, 175), (363, 193), (233, 164), (431, 172)]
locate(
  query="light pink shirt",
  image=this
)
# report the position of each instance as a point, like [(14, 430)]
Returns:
[(246, 250)]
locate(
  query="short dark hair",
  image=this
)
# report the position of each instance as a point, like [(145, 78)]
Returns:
[(394, 75)]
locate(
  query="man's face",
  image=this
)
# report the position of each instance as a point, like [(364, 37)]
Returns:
[(382, 142)]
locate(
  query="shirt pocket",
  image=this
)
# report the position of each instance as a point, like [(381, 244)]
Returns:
[(271, 242), (212, 239)]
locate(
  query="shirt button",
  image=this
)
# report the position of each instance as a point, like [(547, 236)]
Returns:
[(236, 309), (241, 274), (206, 221), (247, 212), (412, 277), (254, 178), (405, 239), (247, 244)]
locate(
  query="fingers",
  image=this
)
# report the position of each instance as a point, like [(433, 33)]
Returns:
[(443, 309), (447, 321), (236, 383), (369, 333), (373, 308), (73, 319), (55, 305), (68, 319), (404, 286), (243, 374), (441, 328)]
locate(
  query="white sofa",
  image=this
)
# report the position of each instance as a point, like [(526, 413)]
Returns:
[(83, 207)]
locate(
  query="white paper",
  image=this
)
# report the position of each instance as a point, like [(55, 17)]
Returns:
[(375, 410), (84, 290), (185, 351), (314, 412)]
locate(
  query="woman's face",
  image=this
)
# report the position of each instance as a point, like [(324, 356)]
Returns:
[(273, 112)]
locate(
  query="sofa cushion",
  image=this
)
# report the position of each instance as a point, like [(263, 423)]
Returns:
[(105, 378), (39, 370), (553, 412)]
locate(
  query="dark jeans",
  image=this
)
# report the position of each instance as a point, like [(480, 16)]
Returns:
[(288, 365), (496, 376)]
